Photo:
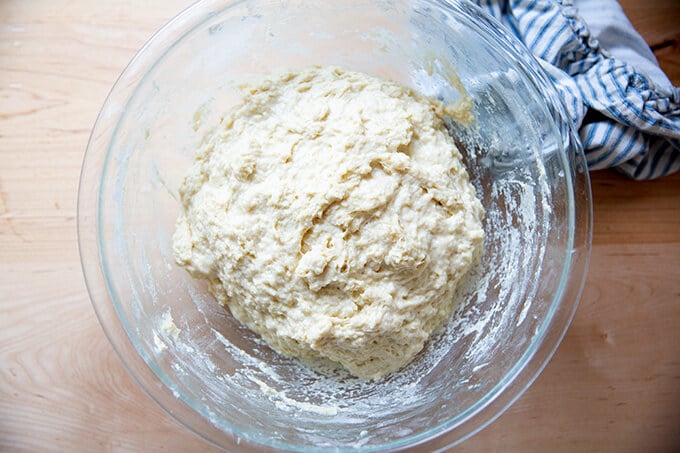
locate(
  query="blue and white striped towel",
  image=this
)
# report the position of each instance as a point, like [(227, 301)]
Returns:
[(626, 109)]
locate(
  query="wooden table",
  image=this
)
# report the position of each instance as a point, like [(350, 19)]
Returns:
[(613, 385)]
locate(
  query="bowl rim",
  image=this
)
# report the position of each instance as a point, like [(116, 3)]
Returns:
[(141, 368)]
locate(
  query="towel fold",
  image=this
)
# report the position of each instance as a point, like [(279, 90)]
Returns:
[(626, 109)]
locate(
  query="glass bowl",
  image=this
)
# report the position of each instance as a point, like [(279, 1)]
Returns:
[(219, 379)]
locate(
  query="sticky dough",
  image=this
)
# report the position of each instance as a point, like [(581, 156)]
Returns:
[(331, 212)]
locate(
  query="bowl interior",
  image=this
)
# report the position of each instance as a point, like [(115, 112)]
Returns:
[(519, 155)]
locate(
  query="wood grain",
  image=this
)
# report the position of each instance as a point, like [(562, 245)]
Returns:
[(658, 21), (613, 385), (655, 20)]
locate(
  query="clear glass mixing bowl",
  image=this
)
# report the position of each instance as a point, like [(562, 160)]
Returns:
[(219, 379)]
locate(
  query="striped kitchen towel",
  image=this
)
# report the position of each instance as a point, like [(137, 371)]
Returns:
[(626, 109)]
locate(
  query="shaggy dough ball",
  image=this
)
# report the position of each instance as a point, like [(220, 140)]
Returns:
[(331, 213)]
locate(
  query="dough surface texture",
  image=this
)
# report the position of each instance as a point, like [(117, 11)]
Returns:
[(331, 212)]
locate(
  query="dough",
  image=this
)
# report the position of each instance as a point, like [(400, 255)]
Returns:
[(331, 213)]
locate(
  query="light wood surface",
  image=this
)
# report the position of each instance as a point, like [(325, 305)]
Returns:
[(613, 385)]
